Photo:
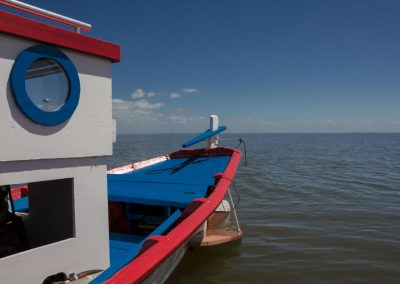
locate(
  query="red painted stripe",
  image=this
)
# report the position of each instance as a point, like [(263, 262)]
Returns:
[(27, 28), (149, 260), (19, 192)]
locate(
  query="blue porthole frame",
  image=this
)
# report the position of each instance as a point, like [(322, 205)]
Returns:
[(17, 84)]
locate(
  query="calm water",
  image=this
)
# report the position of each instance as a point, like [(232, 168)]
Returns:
[(315, 208)]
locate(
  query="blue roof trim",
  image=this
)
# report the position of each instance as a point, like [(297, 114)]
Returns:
[(17, 83)]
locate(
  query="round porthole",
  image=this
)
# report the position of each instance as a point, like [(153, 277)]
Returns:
[(45, 85)]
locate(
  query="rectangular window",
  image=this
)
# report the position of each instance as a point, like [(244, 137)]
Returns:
[(40, 214)]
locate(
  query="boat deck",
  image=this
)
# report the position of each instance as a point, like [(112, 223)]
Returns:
[(174, 182)]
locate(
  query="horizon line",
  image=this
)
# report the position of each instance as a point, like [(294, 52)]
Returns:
[(349, 132)]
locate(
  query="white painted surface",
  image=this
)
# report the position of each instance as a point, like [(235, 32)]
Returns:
[(89, 249), (213, 140), (87, 133), (30, 152), (138, 165), (114, 131), (224, 206)]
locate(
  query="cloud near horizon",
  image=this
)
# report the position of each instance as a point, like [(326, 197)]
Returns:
[(190, 90), (141, 116), (175, 96), (140, 93), (126, 112)]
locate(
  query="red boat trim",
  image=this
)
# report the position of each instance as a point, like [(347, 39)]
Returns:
[(27, 28), (160, 249), (19, 192)]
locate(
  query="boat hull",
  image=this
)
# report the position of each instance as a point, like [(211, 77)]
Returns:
[(165, 269)]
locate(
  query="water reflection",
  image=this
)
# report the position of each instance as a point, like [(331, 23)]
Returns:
[(206, 264)]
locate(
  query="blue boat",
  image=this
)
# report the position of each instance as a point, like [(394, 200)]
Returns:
[(63, 217)]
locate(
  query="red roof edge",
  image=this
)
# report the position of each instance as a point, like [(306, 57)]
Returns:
[(31, 29)]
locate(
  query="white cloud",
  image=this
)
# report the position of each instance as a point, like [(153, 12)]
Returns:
[(120, 105), (177, 118), (143, 116), (190, 90), (118, 101), (139, 93), (329, 121), (126, 109), (183, 119), (143, 112), (175, 96), (143, 104)]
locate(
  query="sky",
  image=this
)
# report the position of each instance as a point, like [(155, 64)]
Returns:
[(262, 66)]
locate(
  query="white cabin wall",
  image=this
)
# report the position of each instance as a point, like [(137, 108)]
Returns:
[(89, 249), (30, 152), (87, 133)]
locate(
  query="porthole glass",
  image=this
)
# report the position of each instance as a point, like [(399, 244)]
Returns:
[(47, 84)]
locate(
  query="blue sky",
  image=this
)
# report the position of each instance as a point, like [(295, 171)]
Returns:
[(262, 66)]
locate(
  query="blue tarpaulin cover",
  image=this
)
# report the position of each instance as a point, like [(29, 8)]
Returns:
[(174, 182)]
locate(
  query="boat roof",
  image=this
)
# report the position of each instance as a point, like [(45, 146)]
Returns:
[(27, 28)]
